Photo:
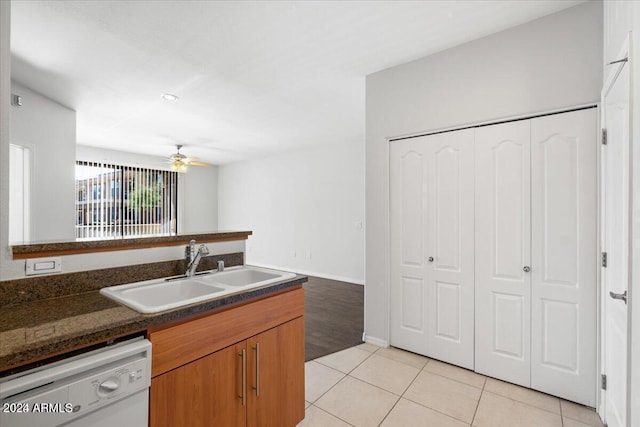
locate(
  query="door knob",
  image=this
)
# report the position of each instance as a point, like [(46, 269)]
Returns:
[(430, 259), (622, 296), (526, 269)]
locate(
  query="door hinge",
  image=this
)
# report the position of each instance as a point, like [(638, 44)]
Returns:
[(604, 259), (604, 136), (603, 381)]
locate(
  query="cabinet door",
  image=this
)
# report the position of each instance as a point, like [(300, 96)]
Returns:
[(431, 212), (503, 244), (563, 267), (205, 392), (275, 369)]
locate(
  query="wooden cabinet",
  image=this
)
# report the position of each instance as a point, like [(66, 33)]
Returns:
[(203, 392), (257, 380), (276, 376)]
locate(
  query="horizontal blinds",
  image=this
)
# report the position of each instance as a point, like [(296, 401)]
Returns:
[(116, 201)]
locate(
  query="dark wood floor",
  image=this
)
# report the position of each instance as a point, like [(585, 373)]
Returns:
[(334, 316)]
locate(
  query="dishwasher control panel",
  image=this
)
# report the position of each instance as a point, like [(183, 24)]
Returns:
[(107, 386), (68, 390)]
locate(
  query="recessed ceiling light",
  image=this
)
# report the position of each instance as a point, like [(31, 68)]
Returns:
[(169, 97)]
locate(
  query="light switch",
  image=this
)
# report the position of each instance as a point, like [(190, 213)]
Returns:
[(43, 266)]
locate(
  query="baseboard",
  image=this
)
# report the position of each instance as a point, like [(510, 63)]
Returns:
[(312, 273), (376, 341)]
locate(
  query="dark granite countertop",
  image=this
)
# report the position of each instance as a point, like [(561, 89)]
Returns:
[(46, 249), (36, 330)]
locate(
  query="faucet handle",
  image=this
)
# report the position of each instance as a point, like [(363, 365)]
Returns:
[(220, 265), (204, 250)]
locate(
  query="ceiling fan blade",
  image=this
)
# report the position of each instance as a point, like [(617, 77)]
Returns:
[(196, 163)]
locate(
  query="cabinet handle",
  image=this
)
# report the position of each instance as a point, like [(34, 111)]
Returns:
[(243, 395), (257, 386), (430, 259), (526, 269)]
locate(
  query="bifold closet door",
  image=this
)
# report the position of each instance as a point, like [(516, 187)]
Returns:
[(502, 252), (563, 256), (536, 260), (431, 211)]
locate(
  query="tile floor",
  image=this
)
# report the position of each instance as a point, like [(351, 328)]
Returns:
[(371, 386)]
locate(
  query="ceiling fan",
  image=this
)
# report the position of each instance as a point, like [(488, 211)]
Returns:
[(179, 161)]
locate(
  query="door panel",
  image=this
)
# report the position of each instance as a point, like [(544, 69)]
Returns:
[(408, 303), (432, 295), (502, 249), (509, 326), (448, 311), (450, 242), (412, 208), (445, 194), (412, 295), (615, 241), (559, 344), (563, 265), (559, 200), (508, 193)]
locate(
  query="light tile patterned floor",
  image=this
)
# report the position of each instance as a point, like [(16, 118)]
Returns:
[(371, 386)]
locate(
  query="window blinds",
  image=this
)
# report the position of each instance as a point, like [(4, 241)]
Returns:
[(116, 201)]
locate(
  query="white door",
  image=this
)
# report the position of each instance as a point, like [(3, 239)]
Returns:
[(432, 294), (563, 255), (407, 211), (615, 242), (502, 242)]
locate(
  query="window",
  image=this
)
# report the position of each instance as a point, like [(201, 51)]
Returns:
[(19, 193), (114, 201)]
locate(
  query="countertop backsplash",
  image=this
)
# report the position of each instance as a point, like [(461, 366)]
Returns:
[(29, 289)]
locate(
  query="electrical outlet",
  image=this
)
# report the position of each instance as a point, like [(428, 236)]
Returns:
[(43, 266)]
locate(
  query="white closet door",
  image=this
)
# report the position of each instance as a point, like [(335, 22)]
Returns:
[(563, 255), (407, 206), (450, 243), (502, 242), (432, 295)]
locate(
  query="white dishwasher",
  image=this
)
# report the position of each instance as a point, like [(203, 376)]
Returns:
[(104, 387)]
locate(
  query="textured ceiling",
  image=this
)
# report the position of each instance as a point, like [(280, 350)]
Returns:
[(253, 78)]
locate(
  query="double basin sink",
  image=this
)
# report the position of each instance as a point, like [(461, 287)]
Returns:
[(153, 296)]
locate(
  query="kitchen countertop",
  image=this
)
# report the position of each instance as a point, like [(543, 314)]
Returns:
[(36, 330)]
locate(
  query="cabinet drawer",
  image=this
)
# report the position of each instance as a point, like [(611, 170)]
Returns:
[(180, 344)]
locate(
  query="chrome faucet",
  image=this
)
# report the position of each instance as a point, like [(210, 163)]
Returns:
[(190, 251), (194, 257)]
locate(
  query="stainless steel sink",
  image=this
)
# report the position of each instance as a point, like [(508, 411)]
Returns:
[(153, 296)]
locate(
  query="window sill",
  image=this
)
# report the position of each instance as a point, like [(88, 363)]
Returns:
[(38, 250)]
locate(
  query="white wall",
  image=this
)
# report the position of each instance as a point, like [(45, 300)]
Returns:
[(621, 17), (49, 130), (306, 210), (198, 187), (550, 63), (5, 111)]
